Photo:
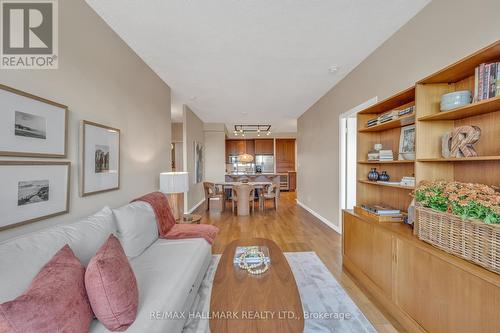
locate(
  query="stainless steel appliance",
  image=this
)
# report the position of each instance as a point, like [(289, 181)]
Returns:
[(284, 182), (266, 163), (233, 159)]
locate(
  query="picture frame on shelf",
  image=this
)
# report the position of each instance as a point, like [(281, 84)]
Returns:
[(100, 158), (31, 126), (32, 191), (407, 143)]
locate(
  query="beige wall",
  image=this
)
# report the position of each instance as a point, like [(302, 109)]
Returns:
[(215, 152), (443, 32), (192, 131), (101, 79), (177, 132)]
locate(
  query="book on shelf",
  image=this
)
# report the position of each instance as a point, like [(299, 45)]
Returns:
[(486, 81), (408, 181), (251, 259), (381, 209), (380, 218), (406, 111), (386, 155)]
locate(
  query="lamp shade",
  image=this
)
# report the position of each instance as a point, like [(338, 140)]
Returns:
[(245, 158), (174, 182)]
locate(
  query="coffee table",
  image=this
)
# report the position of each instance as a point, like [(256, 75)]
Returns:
[(269, 302)]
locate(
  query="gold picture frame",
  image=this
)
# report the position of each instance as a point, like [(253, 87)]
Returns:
[(36, 107), (86, 169), (6, 204)]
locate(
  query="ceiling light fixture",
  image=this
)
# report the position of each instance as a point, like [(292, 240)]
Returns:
[(333, 69), (245, 129)]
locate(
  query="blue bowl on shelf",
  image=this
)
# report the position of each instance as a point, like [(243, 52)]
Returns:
[(455, 100)]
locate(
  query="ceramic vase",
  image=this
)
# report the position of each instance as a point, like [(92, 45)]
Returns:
[(373, 175), (384, 176)]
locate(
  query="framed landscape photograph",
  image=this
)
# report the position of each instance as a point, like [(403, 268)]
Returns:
[(31, 126), (32, 191), (100, 158)]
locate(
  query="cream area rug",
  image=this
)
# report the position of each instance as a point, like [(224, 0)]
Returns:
[(326, 305)]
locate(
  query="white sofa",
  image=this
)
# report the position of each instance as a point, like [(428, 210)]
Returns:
[(168, 272)]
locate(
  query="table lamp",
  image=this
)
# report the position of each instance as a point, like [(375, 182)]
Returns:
[(175, 184)]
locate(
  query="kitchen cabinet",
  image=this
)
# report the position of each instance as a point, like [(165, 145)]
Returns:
[(264, 147), (239, 147), (424, 288), (285, 155), (292, 181)]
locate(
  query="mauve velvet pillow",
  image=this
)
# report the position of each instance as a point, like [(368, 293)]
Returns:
[(55, 301), (112, 287)]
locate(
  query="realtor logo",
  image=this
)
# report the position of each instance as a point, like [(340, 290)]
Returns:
[(29, 38)]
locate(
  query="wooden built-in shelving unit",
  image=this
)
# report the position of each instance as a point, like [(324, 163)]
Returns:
[(409, 277)]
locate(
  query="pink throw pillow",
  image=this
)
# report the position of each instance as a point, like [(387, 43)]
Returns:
[(112, 287), (55, 301)]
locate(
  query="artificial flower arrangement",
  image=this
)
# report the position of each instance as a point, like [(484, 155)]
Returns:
[(466, 200)]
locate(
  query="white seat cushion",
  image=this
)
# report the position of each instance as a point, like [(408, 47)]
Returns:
[(165, 273), (22, 258), (137, 227)]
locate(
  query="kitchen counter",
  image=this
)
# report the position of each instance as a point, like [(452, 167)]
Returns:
[(256, 177)]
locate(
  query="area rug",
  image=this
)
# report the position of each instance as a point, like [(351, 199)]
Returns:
[(324, 301)]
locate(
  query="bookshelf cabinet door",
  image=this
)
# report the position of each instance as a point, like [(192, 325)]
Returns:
[(440, 296)]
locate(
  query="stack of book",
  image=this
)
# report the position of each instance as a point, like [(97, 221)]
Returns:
[(486, 81), (382, 213), (388, 116), (406, 111), (386, 155), (372, 122), (408, 181), (373, 156)]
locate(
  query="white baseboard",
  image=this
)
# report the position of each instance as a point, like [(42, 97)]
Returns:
[(196, 206), (321, 218)]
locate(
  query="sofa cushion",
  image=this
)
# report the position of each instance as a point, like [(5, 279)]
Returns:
[(137, 229), (22, 258), (165, 273), (112, 287), (55, 301)]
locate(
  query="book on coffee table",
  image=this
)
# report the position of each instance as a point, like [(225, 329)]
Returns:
[(253, 259)]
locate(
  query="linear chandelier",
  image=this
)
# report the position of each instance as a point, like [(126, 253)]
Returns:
[(259, 129)]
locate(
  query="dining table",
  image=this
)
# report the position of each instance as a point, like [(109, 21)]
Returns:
[(259, 186)]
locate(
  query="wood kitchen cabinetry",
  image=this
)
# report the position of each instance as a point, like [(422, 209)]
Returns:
[(285, 155), (239, 147), (264, 147), (426, 289)]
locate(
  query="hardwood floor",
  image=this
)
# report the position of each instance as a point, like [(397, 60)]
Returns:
[(294, 229)]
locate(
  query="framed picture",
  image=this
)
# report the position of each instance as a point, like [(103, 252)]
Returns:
[(31, 126), (32, 191), (407, 143), (198, 162), (100, 158)]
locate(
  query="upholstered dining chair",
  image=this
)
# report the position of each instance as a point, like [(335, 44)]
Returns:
[(212, 191), (244, 197), (270, 192)]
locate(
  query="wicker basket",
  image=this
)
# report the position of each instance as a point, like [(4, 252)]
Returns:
[(471, 240)]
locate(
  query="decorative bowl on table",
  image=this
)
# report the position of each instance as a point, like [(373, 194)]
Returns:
[(455, 100)]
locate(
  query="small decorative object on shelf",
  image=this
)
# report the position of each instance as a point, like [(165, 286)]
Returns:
[(254, 259), (462, 219), (407, 143), (460, 142), (374, 155), (384, 176), (455, 100), (373, 175)]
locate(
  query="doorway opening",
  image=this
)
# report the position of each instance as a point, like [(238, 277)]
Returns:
[(348, 155)]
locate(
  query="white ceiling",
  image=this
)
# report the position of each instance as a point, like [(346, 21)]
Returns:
[(253, 61)]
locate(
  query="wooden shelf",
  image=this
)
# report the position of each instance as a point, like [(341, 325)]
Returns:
[(471, 110), (465, 67), (463, 159), (387, 162), (400, 122), (401, 98), (386, 185)]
